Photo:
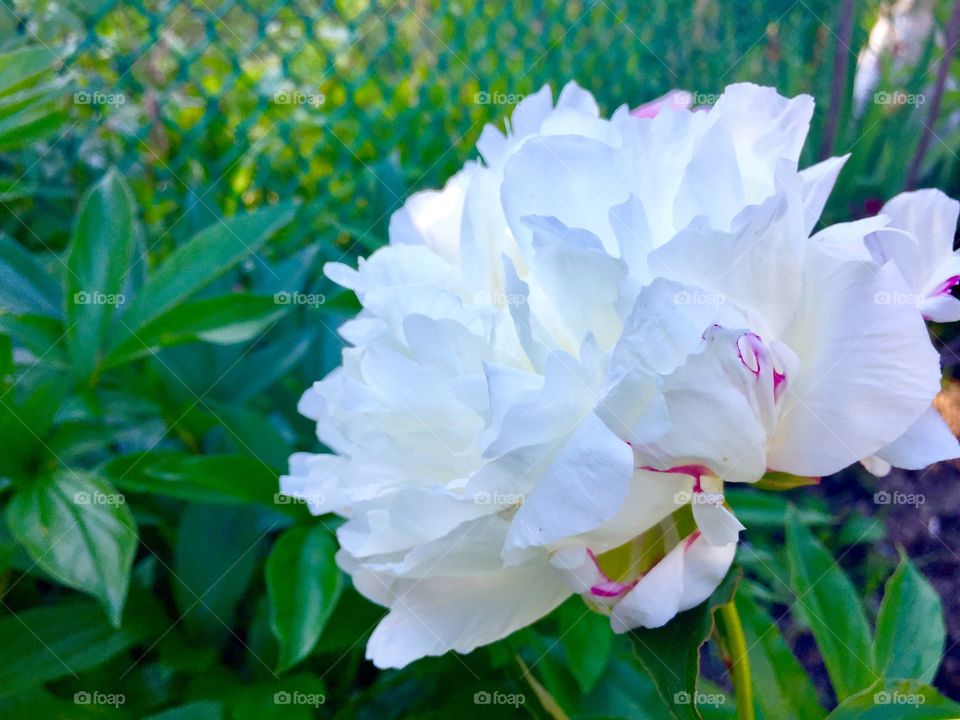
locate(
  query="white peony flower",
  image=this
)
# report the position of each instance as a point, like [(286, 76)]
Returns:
[(566, 353)]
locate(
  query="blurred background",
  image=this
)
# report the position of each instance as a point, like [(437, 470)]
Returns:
[(173, 176)]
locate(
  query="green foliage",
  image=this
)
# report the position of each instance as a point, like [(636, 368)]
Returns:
[(831, 607), (910, 629), (303, 586), (77, 528)]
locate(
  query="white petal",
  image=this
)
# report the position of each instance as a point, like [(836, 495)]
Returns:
[(875, 466), (572, 178), (433, 217), (685, 577), (652, 497), (868, 370), (941, 308), (754, 266), (766, 128), (585, 486), (666, 325), (720, 411), (712, 186), (435, 615), (580, 282), (414, 516), (564, 399), (929, 440), (818, 181), (718, 525), (928, 215), (634, 237)]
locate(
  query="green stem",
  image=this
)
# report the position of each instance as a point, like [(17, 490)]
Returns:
[(731, 631), (543, 695)]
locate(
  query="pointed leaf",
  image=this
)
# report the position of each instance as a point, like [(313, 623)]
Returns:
[(201, 260), (78, 529), (831, 607), (26, 287), (223, 320), (44, 644), (585, 637), (303, 585), (896, 700), (910, 628), (198, 478), (101, 251)]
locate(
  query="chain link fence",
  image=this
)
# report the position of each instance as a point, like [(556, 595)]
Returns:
[(213, 106)]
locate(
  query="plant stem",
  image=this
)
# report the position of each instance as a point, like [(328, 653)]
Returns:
[(543, 695), (731, 632)]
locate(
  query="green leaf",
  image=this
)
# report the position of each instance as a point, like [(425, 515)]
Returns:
[(201, 710), (223, 320), (101, 251), (765, 509), (77, 529), (671, 654), (29, 125), (247, 432), (37, 702), (43, 644), (40, 335), (303, 585), (896, 700), (217, 548), (293, 697), (910, 628), (24, 63), (263, 367), (26, 287), (202, 259), (585, 637), (344, 302), (782, 687), (829, 604), (198, 478)]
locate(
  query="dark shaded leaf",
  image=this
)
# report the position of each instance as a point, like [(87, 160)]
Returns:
[(303, 584)]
